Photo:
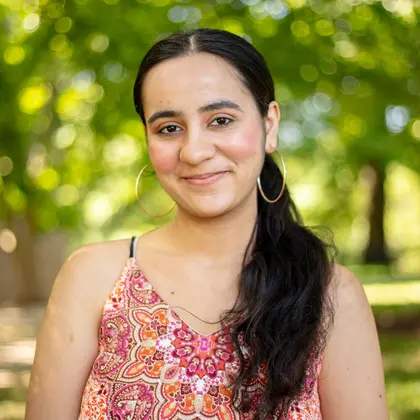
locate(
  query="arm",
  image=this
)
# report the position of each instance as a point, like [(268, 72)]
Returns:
[(68, 340), (351, 382)]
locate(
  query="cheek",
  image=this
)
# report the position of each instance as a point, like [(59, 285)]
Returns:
[(164, 157), (244, 144)]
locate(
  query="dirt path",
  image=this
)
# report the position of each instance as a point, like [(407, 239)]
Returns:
[(18, 330)]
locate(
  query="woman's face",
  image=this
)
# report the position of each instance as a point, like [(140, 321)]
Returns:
[(205, 134)]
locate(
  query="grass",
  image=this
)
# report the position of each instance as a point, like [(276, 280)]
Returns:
[(401, 357), (398, 293), (396, 307)]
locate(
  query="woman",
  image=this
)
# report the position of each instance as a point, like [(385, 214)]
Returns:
[(295, 336)]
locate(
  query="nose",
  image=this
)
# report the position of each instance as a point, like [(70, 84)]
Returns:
[(196, 148)]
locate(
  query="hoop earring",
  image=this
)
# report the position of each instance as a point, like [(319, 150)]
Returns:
[(282, 187), (137, 196)]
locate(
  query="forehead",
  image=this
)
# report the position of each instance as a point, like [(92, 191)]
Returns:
[(190, 81)]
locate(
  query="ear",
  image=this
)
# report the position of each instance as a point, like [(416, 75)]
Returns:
[(271, 122)]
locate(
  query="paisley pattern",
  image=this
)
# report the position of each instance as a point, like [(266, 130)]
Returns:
[(152, 365)]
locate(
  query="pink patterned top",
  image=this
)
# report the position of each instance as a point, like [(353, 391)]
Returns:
[(152, 365)]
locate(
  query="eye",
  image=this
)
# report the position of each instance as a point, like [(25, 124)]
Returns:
[(169, 129), (221, 121)]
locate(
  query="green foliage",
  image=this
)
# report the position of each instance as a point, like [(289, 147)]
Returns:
[(69, 130)]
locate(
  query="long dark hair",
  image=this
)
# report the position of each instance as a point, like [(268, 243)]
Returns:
[(283, 312)]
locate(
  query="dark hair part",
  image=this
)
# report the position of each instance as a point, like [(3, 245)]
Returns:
[(283, 312)]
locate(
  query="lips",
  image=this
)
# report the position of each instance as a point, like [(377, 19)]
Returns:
[(206, 178)]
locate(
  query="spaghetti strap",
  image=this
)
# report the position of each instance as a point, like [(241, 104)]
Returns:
[(133, 246)]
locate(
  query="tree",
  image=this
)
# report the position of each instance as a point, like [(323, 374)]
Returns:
[(346, 76)]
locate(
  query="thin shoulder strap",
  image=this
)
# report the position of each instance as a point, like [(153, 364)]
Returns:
[(133, 246)]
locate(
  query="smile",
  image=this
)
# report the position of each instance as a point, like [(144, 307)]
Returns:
[(205, 179)]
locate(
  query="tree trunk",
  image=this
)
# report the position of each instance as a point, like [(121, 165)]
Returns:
[(24, 259), (376, 252)]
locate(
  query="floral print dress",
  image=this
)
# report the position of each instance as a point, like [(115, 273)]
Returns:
[(152, 365)]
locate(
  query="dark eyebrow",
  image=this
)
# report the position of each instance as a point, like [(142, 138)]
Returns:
[(214, 106)]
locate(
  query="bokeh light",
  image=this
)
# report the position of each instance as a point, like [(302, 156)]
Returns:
[(8, 241)]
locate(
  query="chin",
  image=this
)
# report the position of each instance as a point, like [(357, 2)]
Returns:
[(208, 208)]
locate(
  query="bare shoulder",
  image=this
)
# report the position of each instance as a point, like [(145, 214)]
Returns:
[(95, 267), (67, 343), (346, 290), (84, 281), (351, 380), (100, 254)]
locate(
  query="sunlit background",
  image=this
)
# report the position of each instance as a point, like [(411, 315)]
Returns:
[(347, 77)]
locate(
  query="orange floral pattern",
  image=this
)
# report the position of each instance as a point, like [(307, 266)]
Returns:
[(152, 365)]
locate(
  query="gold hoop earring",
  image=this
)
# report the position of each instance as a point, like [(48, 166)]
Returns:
[(137, 196), (282, 187)]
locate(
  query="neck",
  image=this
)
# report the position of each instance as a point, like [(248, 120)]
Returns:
[(223, 238)]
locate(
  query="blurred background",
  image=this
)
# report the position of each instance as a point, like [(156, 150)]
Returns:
[(347, 77)]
